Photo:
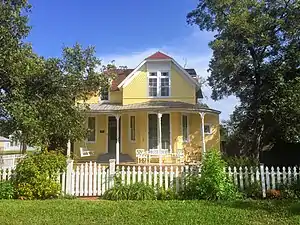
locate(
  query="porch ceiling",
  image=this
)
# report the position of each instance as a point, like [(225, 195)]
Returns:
[(159, 106)]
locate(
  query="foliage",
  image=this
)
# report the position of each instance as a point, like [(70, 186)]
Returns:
[(136, 191), (84, 212), (213, 183), (6, 190), (253, 191), (273, 194), (241, 161), (290, 191), (38, 96), (255, 58), (166, 194), (36, 176)]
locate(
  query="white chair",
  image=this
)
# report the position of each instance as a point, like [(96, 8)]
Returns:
[(179, 156), (84, 152), (141, 155)]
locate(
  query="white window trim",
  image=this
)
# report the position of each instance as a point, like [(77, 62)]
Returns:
[(129, 128), (158, 77), (210, 128), (103, 101), (92, 142), (188, 127)]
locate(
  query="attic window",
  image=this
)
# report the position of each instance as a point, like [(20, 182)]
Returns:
[(159, 84), (104, 94)]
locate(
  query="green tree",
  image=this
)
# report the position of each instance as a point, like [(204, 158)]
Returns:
[(38, 96), (256, 57)]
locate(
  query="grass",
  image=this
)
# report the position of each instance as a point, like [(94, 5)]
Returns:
[(148, 212)]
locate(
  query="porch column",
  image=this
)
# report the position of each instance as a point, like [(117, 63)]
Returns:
[(118, 140), (202, 114), (159, 115)]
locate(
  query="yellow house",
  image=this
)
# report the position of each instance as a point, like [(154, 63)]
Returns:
[(151, 109)]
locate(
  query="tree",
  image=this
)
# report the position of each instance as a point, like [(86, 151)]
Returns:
[(256, 57), (38, 98)]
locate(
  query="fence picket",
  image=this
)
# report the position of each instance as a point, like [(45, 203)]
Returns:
[(99, 179), (63, 183), (289, 175), (171, 177), (72, 191), (230, 173), (273, 178), (144, 175), (139, 174), (246, 177), (150, 176), (128, 175), (267, 178), (283, 175), (166, 178), (160, 177), (235, 176), (177, 178), (182, 177), (90, 179), (81, 180), (77, 181), (278, 174), (251, 175), (295, 173), (263, 184), (133, 175), (155, 177), (95, 179), (241, 179)]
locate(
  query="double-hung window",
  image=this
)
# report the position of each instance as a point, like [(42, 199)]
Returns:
[(159, 84), (91, 129), (184, 124), (104, 94), (132, 128)]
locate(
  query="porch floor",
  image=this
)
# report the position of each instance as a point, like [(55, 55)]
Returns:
[(124, 158)]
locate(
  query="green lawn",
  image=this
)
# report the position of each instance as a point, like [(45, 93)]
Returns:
[(148, 212)]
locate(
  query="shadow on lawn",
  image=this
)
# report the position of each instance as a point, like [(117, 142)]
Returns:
[(274, 206)]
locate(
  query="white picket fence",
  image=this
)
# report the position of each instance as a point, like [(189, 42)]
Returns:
[(92, 179), (10, 161)]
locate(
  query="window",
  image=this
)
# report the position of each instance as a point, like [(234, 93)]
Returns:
[(91, 129), (184, 120), (104, 94), (132, 128), (207, 129), (159, 84)]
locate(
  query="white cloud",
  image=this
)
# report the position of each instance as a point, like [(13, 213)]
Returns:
[(191, 52)]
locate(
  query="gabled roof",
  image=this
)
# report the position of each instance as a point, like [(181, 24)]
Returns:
[(159, 55)]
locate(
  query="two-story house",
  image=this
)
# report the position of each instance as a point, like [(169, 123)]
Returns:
[(154, 108)]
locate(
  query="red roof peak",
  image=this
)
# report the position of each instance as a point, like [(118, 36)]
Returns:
[(159, 55)]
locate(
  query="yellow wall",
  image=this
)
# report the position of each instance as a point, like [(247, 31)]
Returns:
[(128, 147), (115, 96), (137, 90)]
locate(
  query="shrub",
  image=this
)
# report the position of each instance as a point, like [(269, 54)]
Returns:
[(36, 176), (241, 161), (290, 191), (213, 183), (136, 191), (169, 194), (6, 190), (253, 191)]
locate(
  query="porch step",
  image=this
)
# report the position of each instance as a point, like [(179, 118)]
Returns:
[(106, 157)]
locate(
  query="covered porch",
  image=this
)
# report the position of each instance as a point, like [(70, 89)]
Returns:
[(147, 133)]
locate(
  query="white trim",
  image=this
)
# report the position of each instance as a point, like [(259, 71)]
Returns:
[(129, 128), (158, 78), (106, 121), (131, 76), (188, 127), (92, 142)]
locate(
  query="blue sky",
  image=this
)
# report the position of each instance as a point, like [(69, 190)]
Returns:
[(124, 31)]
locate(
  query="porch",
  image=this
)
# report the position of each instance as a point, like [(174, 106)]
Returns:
[(148, 133)]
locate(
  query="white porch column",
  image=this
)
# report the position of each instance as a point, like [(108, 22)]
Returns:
[(118, 140), (69, 149), (159, 115), (202, 114)]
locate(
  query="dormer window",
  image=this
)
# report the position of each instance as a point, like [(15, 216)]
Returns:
[(104, 94), (159, 84)]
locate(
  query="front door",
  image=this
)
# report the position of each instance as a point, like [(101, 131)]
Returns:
[(112, 134), (153, 131)]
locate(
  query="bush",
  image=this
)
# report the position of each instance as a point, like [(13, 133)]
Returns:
[(290, 191), (241, 161), (253, 191), (6, 190), (213, 183), (169, 194), (136, 191), (36, 176)]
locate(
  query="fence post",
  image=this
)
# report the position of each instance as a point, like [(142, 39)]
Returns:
[(112, 171), (262, 176), (69, 176)]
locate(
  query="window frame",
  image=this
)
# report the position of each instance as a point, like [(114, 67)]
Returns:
[(158, 78), (130, 128), (187, 128), (210, 128), (87, 138), (100, 96)]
